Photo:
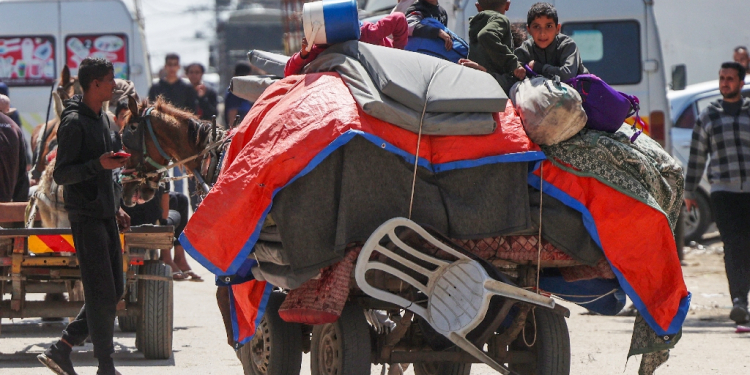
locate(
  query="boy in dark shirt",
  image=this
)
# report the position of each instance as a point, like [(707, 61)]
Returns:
[(491, 41), (179, 93), (85, 160), (428, 9), (549, 53)]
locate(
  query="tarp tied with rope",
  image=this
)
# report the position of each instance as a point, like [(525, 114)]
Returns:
[(302, 120)]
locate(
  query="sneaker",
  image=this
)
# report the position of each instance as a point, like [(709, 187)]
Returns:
[(57, 360), (739, 312)]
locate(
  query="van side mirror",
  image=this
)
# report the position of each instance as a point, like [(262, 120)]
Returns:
[(679, 77)]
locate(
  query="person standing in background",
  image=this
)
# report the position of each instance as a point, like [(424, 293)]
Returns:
[(14, 182), (13, 114), (180, 94), (207, 97), (741, 56), (233, 104)]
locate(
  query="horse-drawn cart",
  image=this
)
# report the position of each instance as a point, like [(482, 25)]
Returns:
[(43, 260), (422, 282)]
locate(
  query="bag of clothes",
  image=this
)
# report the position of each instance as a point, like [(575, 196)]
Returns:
[(551, 111), (605, 107)]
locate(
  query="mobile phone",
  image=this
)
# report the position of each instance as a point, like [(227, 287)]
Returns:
[(121, 154)]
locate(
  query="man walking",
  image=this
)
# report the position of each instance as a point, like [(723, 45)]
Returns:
[(84, 168), (722, 133)]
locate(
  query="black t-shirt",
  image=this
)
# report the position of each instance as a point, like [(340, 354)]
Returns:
[(147, 213), (14, 184), (732, 109), (181, 94)]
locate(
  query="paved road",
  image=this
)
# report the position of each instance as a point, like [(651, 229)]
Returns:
[(599, 344)]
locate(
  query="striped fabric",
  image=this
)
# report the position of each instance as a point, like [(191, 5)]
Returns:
[(724, 142)]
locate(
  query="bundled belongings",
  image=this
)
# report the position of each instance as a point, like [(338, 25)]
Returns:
[(406, 89), (606, 108), (550, 110), (251, 87), (315, 157), (271, 63)]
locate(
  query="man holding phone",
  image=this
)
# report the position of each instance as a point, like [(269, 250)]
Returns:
[(85, 160)]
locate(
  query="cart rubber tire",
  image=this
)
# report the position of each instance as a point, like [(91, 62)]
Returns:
[(154, 333), (127, 323), (696, 223), (276, 348), (442, 368), (552, 345), (342, 347)]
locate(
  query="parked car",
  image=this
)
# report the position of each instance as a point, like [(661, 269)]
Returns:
[(685, 106)]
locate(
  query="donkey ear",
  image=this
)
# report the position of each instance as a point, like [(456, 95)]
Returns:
[(65, 76), (133, 105)]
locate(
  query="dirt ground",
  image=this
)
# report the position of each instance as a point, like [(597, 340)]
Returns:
[(599, 344)]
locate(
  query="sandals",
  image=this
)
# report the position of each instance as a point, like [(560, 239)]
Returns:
[(192, 276), (179, 276)]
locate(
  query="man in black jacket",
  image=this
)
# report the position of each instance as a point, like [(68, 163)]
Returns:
[(14, 183), (85, 161)]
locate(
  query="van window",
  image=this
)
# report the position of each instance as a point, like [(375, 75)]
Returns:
[(611, 50), (113, 47), (687, 118), (27, 60)]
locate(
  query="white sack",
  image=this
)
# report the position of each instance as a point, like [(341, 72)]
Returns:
[(551, 111)]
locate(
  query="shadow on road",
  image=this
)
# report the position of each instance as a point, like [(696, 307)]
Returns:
[(125, 353), (81, 356)]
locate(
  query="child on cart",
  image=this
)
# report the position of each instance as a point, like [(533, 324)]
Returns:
[(550, 53)]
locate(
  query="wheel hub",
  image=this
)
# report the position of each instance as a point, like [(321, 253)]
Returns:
[(330, 352), (260, 349)]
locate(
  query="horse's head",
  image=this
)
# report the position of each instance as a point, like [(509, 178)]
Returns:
[(140, 180), (155, 134)]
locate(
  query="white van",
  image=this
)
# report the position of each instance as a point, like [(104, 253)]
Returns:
[(39, 37), (618, 41)]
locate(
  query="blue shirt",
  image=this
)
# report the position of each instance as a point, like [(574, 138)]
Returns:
[(234, 102)]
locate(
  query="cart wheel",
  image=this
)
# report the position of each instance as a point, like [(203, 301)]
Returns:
[(154, 333), (343, 347), (442, 368), (127, 323), (276, 348), (551, 346)]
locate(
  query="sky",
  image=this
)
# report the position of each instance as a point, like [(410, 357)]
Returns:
[(171, 27)]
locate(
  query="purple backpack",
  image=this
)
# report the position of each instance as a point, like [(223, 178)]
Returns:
[(605, 107)]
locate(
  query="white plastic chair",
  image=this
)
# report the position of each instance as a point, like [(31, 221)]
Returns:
[(458, 292)]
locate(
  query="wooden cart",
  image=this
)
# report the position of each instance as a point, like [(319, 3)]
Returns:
[(146, 307)]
